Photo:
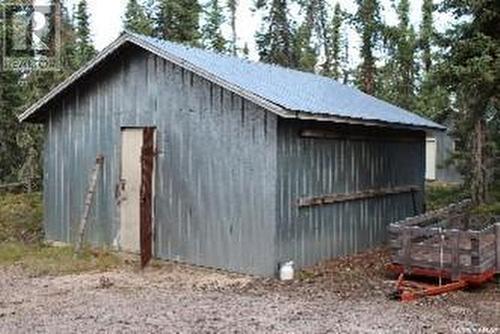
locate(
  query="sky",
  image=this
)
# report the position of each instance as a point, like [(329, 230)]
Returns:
[(106, 20)]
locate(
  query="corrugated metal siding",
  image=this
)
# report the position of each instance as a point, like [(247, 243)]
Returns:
[(315, 167), (79, 127), (444, 171), (215, 176)]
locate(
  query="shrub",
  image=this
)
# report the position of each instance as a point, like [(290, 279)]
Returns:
[(21, 218)]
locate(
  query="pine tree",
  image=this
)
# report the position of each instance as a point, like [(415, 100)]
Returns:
[(346, 71), (151, 11), (322, 30), (304, 48), (36, 84), (275, 39), (312, 36), (402, 51), (333, 64), (368, 23), (426, 34), (178, 21), (84, 50), (233, 6), (63, 45), (432, 101), (11, 99), (211, 31), (136, 19), (470, 71), (10, 102)]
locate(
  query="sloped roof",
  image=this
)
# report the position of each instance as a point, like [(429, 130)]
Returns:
[(289, 93)]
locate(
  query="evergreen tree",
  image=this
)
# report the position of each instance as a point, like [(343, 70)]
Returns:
[(233, 6), (426, 34), (406, 50), (368, 23), (11, 99), (397, 80), (84, 50), (346, 71), (35, 84), (63, 45), (178, 21), (275, 40), (333, 64), (433, 101), (312, 36), (151, 10), (322, 26), (211, 31), (470, 72), (304, 48), (136, 19)]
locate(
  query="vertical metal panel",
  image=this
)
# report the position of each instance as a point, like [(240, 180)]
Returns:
[(216, 169), (445, 148), (315, 167), (218, 177)]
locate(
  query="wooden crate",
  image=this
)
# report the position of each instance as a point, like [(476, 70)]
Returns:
[(431, 242)]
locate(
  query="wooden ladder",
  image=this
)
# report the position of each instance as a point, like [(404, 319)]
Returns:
[(99, 161)]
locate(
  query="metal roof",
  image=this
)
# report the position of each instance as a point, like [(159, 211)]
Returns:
[(289, 93)]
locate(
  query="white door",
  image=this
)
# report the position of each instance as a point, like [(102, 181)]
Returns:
[(132, 140), (430, 158)]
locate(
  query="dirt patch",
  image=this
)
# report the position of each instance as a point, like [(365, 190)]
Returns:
[(346, 295)]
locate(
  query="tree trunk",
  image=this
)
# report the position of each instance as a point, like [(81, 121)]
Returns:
[(479, 181), (234, 36), (369, 78), (57, 28)]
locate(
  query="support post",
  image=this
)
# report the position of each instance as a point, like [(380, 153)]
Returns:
[(407, 232), (454, 244)]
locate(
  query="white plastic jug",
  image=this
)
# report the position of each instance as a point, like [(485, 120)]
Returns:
[(287, 271)]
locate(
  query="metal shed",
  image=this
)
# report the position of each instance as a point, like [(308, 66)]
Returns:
[(254, 164)]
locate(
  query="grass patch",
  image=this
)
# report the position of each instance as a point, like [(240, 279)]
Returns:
[(21, 242), (21, 218), (439, 195), (41, 260), (488, 209)]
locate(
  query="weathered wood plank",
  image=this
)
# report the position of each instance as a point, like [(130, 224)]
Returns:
[(340, 198), (12, 186), (345, 134), (88, 202)]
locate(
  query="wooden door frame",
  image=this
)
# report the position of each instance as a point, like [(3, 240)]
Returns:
[(147, 195)]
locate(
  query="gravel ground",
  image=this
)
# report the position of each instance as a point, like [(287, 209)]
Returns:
[(337, 297)]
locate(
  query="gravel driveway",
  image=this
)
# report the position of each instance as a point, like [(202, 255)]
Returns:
[(174, 298)]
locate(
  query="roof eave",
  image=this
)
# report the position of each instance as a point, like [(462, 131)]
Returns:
[(359, 121)]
